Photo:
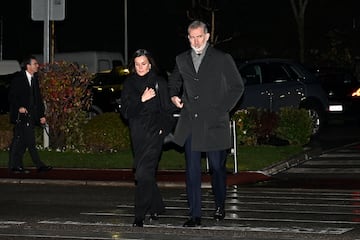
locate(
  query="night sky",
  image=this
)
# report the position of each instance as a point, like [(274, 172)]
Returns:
[(255, 27)]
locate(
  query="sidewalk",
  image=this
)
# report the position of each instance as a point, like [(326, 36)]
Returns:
[(167, 178), (118, 177)]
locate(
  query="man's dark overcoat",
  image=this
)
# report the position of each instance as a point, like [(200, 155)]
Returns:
[(208, 96), (20, 94)]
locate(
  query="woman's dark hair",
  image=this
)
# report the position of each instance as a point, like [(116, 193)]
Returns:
[(139, 53)]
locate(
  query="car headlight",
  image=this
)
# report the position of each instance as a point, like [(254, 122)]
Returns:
[(356, 93)]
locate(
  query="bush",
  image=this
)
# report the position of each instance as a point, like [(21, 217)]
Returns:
[(259, 127), (246, 124), (295, 126), (106, 132), (267, 122), (255, 126), (6, 132), (65, 88)]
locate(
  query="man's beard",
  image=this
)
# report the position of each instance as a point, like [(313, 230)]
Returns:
[(199, 50)]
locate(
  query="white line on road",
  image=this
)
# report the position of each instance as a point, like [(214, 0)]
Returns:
[(26, 236), (334, 231), (341, 155), (237, 218), (11, 223)]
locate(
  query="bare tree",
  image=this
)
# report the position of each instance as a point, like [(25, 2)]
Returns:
[(299, 7), (206, 9)]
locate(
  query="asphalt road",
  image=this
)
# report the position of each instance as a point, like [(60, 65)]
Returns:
[(33, 211)]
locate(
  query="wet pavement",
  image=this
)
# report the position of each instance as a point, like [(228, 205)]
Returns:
[(34, 211)]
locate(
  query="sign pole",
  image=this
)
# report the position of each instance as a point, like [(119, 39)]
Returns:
[(46, 31), (46, 10)]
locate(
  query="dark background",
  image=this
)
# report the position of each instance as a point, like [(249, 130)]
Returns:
[(253, 27)]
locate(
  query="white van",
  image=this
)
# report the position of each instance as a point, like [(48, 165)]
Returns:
[(7, 69), (95, 61), (9, 66)]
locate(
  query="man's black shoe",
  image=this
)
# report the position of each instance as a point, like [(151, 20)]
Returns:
[(192, 222), (44, 168), (219, 214), (19, 170), (138, 223), (154, 217)]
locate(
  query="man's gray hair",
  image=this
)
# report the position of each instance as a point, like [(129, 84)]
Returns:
[(198, 24)]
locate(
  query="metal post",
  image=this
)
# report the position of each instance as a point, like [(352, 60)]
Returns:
[(125, 34), (46, 56), (1, 38), (234, 149), (46, 32), (46, 136)]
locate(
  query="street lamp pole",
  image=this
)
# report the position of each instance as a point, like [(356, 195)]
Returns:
[(125, 34)]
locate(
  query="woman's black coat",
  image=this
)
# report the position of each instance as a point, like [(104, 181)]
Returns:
[(146, 119)]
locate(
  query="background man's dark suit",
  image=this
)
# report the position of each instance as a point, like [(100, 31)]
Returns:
[(21, 94)]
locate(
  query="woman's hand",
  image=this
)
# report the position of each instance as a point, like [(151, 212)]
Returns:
[(148, 94)]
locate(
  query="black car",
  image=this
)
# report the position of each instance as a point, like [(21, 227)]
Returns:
[(106, 90), (4, 91), (273, 83), (343, 91)]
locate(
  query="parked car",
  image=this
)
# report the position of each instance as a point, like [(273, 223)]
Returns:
[(106, 90), (343, 91), (272, 83)]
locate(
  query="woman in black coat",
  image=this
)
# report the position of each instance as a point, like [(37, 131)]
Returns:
[(146, 104)]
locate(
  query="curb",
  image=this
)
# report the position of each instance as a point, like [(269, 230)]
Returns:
[(119, 177), (307, 154)]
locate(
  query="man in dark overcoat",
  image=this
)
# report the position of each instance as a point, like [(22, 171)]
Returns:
[(205, 85), (26, 111)]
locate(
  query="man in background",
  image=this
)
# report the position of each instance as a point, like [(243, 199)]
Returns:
[(26, 111)]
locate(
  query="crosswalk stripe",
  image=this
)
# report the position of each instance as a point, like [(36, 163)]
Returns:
[(340, 155), (326, 230)]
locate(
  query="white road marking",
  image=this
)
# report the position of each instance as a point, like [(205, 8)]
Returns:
[(339, 155), (324, 170), (25, 236), (324, 162), (319, 230), (235, 217), (11, 223)]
